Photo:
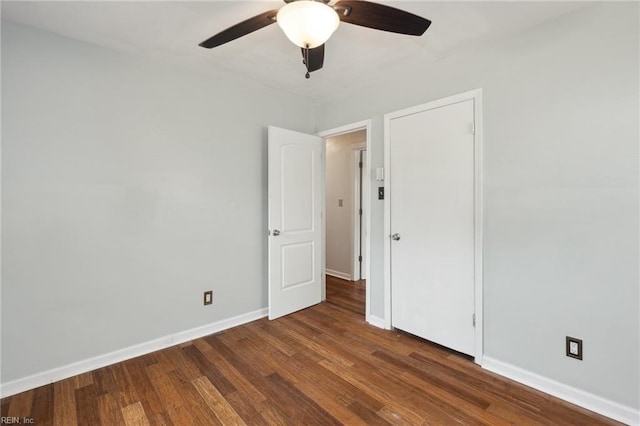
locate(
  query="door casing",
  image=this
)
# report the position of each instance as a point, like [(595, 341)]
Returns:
[(360, 197), (476, 96)]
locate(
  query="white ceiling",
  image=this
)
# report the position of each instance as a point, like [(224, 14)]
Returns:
[(171, 31)]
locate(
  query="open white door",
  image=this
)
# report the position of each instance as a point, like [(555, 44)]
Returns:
[(295, 221)]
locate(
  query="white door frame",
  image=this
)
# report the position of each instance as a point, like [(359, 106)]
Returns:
[(360, 196), (348, 128), (476, 96)]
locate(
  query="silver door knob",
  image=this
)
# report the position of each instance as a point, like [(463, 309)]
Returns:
[(395, 237), (276, 232)]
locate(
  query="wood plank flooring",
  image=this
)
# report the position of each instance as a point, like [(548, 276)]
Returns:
[(320, 366), (346, 294)]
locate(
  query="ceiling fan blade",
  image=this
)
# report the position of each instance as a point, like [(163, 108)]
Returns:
[(241, 29), (381, 17), (316, 58)]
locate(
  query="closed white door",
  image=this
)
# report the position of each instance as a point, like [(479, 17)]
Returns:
[(295, 221), (432, 224)]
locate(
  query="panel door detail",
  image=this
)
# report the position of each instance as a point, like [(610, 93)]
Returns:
[(295, 221)]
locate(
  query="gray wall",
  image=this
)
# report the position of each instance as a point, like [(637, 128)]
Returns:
[(128, 188), (561, 190)]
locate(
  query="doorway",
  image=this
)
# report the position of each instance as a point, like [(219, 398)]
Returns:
[(346, 216), (345, 158)]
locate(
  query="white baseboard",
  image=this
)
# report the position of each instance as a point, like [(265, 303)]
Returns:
[(376, 321), (338, 274), (64, 372), (573, 395)]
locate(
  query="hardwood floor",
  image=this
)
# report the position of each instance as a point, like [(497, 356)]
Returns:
[(346, 294), (320, 366)]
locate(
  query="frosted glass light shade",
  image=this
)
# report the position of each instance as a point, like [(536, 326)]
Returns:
[(308, 23)]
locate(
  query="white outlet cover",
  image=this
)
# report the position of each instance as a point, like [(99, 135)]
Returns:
[(573, 348)]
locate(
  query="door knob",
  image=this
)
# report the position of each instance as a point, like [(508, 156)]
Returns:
[(395, 237), (276, 232)]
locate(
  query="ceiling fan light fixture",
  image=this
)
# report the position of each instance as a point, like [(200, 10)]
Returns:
[(308, 23)]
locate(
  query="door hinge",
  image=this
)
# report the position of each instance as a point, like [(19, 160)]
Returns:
[(473, 127), (473, 320), (360, 212), (359, 258), (360, 164)]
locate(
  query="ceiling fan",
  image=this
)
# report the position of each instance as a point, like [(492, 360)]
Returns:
[(310, 23)]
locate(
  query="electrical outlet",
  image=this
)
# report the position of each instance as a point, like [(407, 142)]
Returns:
[(208, 297), (574, 348)]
